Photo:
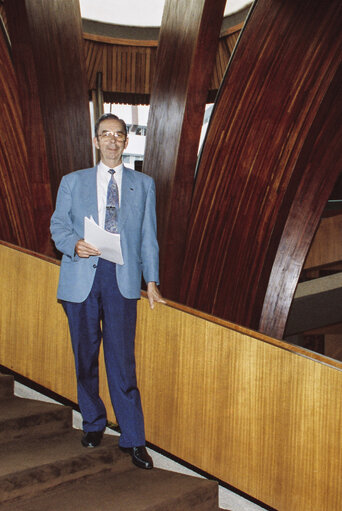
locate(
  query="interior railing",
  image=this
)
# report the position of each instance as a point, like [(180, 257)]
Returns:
[(256, 413)]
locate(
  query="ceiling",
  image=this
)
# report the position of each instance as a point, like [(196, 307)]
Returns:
[(147, 13)]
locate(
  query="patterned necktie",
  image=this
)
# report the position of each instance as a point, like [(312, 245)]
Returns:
[(112, 206)]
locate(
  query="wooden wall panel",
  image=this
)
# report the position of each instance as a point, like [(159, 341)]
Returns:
[(52, 37), (224, 52), (187, 47), (326, 246), (269, 163), (126, 69), (17, 216), (130, 80), (257, 413)]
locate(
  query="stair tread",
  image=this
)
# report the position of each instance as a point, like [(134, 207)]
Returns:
[(29, 453), (45, 467), (6, 386), (16, 406), (133, 490)]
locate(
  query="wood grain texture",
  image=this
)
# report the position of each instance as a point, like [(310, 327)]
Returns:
[(17, 215), (224, 52), (187, 47), (3, 18), (130, 80), (269, 163), (52, 37), (316, 171), (260, 414), (326, 247), (38, 171)]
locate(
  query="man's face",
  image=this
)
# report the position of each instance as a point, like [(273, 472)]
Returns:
[(111, 142)]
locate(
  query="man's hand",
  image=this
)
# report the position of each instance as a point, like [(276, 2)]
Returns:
[(84, 249), (153, 294)]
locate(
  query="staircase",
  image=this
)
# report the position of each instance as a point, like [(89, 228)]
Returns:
[(43, 467)]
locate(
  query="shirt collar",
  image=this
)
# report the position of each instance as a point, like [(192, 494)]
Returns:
[(104, 169)]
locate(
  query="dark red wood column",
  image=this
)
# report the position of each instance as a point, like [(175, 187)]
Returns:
[(186, 54), (37, 170), (50, 65), (16, 212), (269, 163)]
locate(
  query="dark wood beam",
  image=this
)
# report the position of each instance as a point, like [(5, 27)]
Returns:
[(50, 35), (16, 210), (270, 160), (186, 53)]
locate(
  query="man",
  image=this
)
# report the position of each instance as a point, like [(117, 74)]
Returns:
[(93, 289)]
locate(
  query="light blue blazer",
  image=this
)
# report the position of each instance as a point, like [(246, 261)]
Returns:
[(77, 198)]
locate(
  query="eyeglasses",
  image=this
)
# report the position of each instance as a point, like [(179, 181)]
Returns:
[(118, 135)]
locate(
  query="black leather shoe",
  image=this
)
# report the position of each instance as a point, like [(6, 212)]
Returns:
[(140, 456), (92, 438)]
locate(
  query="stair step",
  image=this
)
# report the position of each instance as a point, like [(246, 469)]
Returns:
[(44, 467), (32, 465), (6, 386), (28, 417), (132, 490)]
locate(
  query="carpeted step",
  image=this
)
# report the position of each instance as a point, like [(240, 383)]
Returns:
[(27, 417), (31, 465), (44, 467), (133, 490), (6, 386)]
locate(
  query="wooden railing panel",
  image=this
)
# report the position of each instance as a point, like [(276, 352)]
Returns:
[(270, 160), (260, 414)]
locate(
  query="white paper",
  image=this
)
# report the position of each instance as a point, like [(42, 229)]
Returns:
[(106, 242)]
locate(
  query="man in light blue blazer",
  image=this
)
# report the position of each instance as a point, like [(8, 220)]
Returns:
[(96, 292)]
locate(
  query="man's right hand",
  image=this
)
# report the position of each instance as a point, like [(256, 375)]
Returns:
[(84, 249)]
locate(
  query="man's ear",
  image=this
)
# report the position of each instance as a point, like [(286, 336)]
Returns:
[(96, 143)]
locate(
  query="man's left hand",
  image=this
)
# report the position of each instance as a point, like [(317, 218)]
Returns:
[(153, 294)]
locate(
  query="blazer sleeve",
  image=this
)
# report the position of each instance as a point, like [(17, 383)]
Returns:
[(61, 225), (149, 243)]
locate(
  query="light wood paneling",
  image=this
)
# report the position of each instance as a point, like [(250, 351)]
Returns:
[(326, 246), (260, 414)]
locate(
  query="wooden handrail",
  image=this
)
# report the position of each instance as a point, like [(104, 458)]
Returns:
[(298, 350)]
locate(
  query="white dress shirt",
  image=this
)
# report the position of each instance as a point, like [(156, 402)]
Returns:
[(103, 177)]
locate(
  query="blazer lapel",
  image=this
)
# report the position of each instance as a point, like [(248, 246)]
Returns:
[(127, 194), (89, 194)]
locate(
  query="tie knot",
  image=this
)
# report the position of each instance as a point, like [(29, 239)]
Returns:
[(111, 171)]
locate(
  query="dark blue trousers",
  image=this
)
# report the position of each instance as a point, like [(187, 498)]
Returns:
[(105, 305)]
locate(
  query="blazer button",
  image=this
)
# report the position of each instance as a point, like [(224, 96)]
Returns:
[(94, 265)]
